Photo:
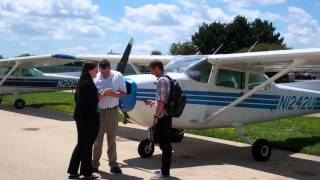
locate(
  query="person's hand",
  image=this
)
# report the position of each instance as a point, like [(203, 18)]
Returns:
[(107, 92), (155, 121), (100, 97), (150, 102)]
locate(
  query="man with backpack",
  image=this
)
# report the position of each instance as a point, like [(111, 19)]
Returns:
[(162, 120)]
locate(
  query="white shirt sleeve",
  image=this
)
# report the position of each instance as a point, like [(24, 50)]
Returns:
[(121, 83)]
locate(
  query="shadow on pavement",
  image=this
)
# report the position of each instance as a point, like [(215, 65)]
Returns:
[(105, 175), (38, 113), (297, 143), (194, 152)]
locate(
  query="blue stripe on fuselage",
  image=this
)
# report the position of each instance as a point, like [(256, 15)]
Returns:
[(260, 101), (31, 82)]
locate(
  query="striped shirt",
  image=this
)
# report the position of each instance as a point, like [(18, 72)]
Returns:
[(163, 91)]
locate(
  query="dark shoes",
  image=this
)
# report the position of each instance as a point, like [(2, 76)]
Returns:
[(77, 176), (91, 177), (95, 169), (115, 170), (74, 176)]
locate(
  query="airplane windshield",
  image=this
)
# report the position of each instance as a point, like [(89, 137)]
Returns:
[(200, 71), (180, 64)]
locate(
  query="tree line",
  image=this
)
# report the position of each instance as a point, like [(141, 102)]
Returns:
[(236, 36)]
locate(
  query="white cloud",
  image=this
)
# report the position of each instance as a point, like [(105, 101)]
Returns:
[(50, 19), (72, 50), (115, 48), (164, 21), (303, 30), (247, 3), (168, 23), (142, 49)]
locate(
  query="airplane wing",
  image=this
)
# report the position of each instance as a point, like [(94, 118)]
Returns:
[(38, 61), (261, 61), (136, 59), (286, 60)]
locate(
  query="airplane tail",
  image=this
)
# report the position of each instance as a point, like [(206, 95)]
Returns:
[(308, 84)]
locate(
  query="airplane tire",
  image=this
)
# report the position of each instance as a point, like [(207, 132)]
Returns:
[(176, 135), (0, 100), (146, 148), (261, 150), (19, 104)]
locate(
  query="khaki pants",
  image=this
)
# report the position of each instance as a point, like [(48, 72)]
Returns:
[(108, 126)]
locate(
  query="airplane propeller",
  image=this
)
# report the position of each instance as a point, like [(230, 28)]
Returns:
[(125, 57), (122, 67)]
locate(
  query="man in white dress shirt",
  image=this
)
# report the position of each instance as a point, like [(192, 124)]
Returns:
[(111, 86)]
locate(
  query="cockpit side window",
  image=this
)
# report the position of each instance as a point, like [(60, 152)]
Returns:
[(255, 80), (4, 70), (30, 72), (200, 71), (230, 79)]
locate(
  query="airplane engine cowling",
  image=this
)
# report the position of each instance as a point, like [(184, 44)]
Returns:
[(128, 102)]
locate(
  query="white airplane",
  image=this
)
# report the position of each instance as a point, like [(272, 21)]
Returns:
[(225, 90), (20, 75)]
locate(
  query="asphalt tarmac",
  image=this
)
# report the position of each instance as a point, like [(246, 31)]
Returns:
[(37, 144)]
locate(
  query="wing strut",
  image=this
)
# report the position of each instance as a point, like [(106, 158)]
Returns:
[(9, 73), (294, 64)]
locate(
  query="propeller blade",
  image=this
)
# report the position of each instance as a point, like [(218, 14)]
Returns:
[(125, 57)]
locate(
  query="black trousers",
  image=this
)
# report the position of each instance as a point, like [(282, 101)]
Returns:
[(163, 134), (82, 153)]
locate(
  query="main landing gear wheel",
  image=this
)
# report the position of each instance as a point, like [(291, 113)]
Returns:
[(0, 99), (146, 148), (261, 150), (177, 135), (19, 104)]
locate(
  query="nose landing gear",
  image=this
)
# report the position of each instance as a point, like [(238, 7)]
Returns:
[(146, 146)]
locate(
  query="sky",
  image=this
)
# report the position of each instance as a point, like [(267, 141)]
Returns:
[(99, 26)]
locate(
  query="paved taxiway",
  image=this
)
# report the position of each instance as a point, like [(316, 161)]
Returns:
[(37, 144)]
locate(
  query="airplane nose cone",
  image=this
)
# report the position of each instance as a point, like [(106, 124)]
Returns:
[(143, 88), (136, 84)]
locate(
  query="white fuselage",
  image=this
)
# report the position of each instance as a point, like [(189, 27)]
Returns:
[(41, 83), (204, 99)]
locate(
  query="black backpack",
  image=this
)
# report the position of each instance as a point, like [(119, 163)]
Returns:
[(177, 100)]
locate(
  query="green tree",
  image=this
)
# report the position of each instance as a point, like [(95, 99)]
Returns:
[(264, 32), (237, 35), (264, 47), (184, 48), (156, 52), (209, 37)]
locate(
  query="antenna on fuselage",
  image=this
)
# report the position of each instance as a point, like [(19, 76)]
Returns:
[(253, 46), (215, 52)]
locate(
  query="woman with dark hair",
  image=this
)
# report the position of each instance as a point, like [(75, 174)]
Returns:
[(87, 121)]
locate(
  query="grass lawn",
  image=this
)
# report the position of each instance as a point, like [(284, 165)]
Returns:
[(54, 101), (297, 134)]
